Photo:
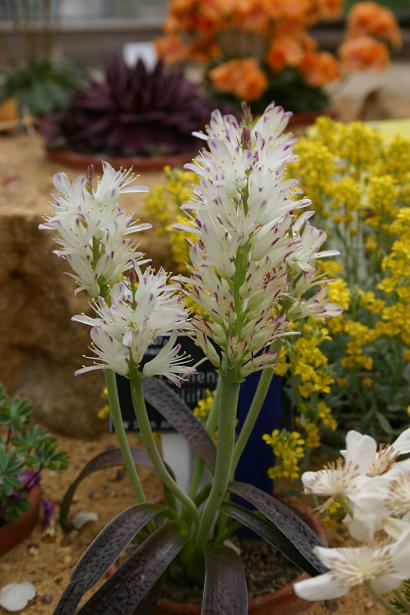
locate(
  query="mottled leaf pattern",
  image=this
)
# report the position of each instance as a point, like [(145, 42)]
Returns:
[(107, 459), (225, 591), (132, 582), (103, 552), (290, 543), (177, 413)]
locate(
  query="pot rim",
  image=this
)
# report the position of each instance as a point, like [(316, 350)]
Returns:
[(80, 160), (14, 532)]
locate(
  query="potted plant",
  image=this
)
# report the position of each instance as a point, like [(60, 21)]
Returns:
[(25, 451), (252, 272), (259, 52), (34, 84), (133, 116)]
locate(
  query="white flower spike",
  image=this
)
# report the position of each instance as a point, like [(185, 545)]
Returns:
[(92, 229), (249, 245), (138, 313)]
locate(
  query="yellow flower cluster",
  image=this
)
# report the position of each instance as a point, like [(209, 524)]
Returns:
[(163, 202), (359, 183), (104, 411), (308, 362), (309, 378), (288, 448), (203, 407)]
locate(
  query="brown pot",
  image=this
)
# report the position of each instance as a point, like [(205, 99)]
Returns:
[(14, 532), (281, 602), (81, 161), (301, 119)]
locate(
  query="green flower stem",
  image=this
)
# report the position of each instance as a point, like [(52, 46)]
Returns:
[(390, 610), (111, 383), (210, 427), (152, 450), (230, 383), (253, 413)]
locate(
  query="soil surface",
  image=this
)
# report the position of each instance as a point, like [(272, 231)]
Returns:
[(266, 570), (47, 560)]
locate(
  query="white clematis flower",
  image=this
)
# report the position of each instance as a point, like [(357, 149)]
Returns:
[(123, 330), (383, 498), (91, 228), (369, 480), (382, 567)]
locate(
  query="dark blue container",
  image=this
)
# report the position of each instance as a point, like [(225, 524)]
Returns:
[(257, 456)]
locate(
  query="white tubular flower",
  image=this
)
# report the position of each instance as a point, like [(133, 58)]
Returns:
[(91, 228), (247, 239), (383, 568), (122, 331)]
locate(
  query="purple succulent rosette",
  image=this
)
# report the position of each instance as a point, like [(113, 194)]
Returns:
[(133, 111)]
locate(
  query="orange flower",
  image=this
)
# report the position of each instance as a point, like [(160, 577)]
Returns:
[(319, 68), (363, 52), (370, 18), (330, 9), (170, 48), (242, 78), (284, 51), (301, 12)]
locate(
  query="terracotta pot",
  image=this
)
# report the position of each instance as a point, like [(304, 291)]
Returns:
[(280, 602), (15, 531), (306, 118), (81, 161)]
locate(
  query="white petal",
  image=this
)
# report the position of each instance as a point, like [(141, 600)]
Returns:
[(15, 596), (362, 531), (402, 444), (81, 518), (385, 584), (360, 450), (322, 587)]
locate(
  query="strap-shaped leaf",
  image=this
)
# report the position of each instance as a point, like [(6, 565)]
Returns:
[(176, 412), (285, 519), (292, 543), (132, 582), (225, 589), (103, 552), (107, 459)]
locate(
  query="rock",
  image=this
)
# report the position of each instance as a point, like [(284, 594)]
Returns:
[(40, 346)]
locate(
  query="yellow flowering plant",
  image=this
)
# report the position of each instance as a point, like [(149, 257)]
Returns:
[(360, 185)]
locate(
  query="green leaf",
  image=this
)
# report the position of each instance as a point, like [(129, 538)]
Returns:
[(384, 423), (16, 414)]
